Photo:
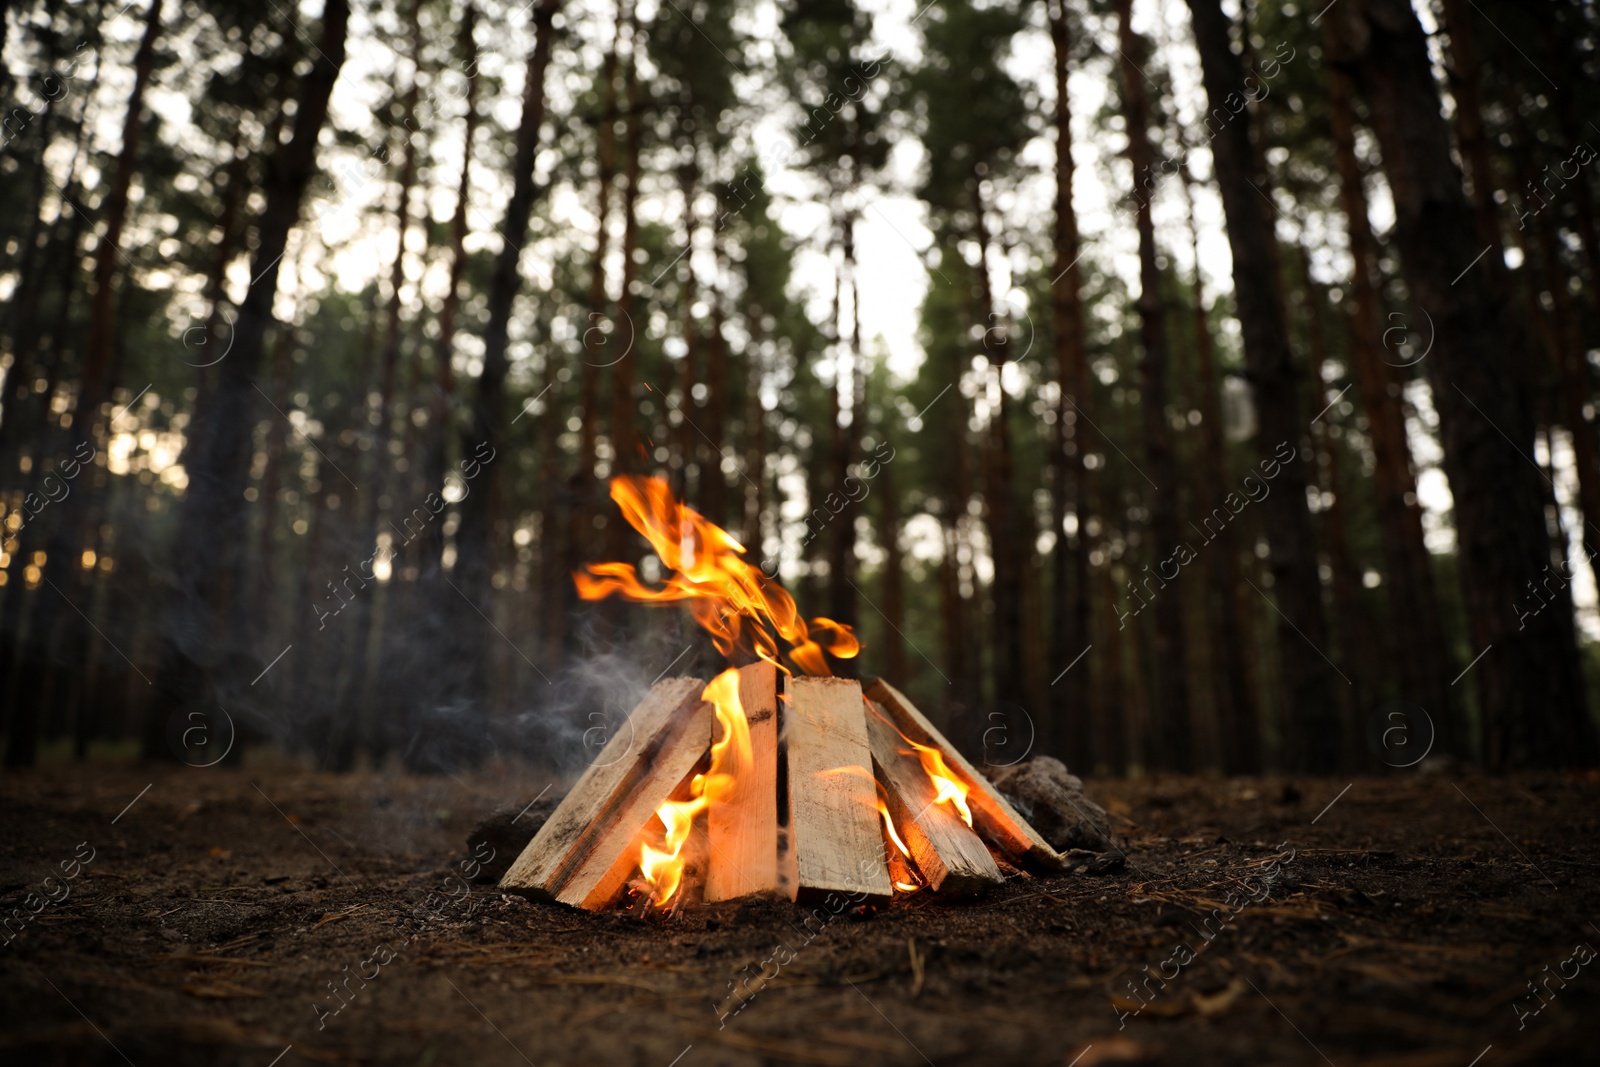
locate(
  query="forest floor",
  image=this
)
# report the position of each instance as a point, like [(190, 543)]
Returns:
[(1401, 926)]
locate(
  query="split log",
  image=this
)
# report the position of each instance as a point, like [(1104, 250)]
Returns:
[(585, 851), (949, 854), (743, 827), (835, 841), (992, 815)]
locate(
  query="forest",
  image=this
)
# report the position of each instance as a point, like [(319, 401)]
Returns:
[(1166, 387)]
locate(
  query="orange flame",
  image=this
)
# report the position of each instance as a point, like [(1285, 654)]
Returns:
[(734, 601), (947, 787), (888, 825), (731, 759)]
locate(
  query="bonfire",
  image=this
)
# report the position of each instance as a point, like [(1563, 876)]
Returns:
[(775, 777)]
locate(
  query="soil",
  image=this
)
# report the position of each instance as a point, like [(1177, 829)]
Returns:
[(1404, 920)]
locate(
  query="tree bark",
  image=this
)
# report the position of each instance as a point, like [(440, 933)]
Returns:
[(1465, 75), (1238, 710), (55, 625), (624, 409), (97, 352), (213, 522), (844, 441), (1009, 551), (1567, 358), (1356, 636), (626, 452), (485, 433), (1068, 727), (1308, 678), (1423, 663), (599, 301), (1172, 740), (1533, 705)]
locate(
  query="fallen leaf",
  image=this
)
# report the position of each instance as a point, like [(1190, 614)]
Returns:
[(1221, 1001), (1112, 1049)]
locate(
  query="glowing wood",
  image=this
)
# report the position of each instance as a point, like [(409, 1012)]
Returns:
[(743, 827), (949, 854), (588, 847), (992, 815)]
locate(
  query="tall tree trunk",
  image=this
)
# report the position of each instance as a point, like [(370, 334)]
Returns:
[(1172, 742), (56, 619), (1238, 710), (688, 443), (212, 523), (370, 509), (1421, 657), (1567, 356), (445, 615), (444, 384), (1356, 635), (1570, 67), (599, 301), (894, 595), (1109, 744), (1302, 634), (1533, 706), (713, 483), (485, 434), (97, 352), (621, 357), (26, 420), (1465, 81), (844, 440), (1009, 551), (1067, 729)]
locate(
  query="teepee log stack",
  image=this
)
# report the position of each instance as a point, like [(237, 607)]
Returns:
[(802, 819)]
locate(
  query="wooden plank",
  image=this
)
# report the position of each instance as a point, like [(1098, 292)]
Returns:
[(833, 809), (567, 837), (992, 815), (949, 854), (742, 828), (612, 855)]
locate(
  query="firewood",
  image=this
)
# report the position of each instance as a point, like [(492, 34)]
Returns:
[(1054, 802), (949, 854), (598, 881), (992, 815), (743, 826), (577, 854), (833, 821)]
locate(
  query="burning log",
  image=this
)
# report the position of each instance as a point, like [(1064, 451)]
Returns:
[(743, 829), (587, 849), (993, 816), (835, 844), (949, 854)]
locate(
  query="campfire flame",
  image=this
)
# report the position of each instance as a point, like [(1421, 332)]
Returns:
[(947, 787), (888, 827), (735, 602), (663, 867)]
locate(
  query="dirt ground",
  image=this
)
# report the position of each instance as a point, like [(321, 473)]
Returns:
[(1415, 920)]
